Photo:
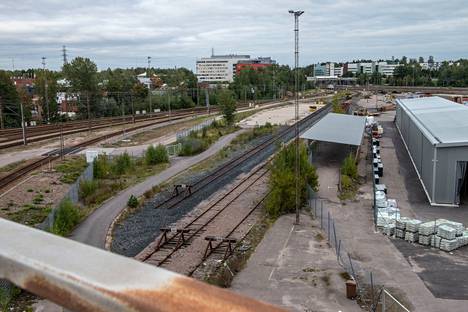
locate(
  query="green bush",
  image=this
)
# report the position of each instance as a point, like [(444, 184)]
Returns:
[(121, 164), (282, 198), (132, 202), (156, 155), (101, 167), (349, 167), (346, 183), (192, 146), (87, 189), (67, 217)]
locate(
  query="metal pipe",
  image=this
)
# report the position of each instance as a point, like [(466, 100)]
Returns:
[(83, 278)]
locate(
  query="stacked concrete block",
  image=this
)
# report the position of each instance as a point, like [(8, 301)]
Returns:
[(435, 241), (424, 239), (399, 233), (449, 244), (389, 229), (446, 232)]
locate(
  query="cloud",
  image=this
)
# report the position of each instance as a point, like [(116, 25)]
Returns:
[(123, 32)]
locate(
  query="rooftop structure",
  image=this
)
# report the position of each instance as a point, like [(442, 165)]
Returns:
[(337, 128)]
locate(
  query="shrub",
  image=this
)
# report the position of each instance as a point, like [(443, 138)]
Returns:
[(192, 146), (156, 155), (121, 164), (346, 182), (282, 198), (87, 189), (101, 167), (66, 217), (132, 202), (349, 167)]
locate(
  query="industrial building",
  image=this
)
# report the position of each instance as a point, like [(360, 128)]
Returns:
[(223, 68), (435, 133)]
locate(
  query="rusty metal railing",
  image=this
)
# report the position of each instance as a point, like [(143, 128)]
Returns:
[(83, 278)]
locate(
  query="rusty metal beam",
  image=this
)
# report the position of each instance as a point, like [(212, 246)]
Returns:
[(83, 278)]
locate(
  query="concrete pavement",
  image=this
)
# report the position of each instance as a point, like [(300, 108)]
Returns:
[(93, 230), (294, 267)]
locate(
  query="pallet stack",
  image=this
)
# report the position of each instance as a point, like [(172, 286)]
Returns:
[(443, 234)]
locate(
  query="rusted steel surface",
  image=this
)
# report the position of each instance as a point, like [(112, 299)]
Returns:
[(84, 278)]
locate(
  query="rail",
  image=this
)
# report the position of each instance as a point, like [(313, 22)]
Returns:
[(84, 278)]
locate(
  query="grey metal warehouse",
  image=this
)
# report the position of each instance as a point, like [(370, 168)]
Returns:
[(435, 133)]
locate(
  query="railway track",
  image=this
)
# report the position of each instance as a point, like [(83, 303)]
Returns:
[(173, 240), (13, 137), (55, 154)]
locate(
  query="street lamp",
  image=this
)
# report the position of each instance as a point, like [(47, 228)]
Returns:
[(296, 105)]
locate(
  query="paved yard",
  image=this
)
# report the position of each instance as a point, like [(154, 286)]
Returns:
[(408, 271), (293, 267), (445, 274)]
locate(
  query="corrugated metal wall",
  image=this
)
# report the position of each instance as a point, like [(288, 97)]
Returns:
[(421, 150)]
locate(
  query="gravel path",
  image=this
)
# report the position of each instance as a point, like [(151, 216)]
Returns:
[(93, 230)]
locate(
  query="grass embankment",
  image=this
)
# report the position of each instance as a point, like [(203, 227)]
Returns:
[(42, 200), (348, 179), (111, 175)]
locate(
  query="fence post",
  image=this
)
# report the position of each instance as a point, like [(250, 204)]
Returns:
[(352, 268), (338, 252), (334, 234), (315, 207), (383, 300), (321, 215), (372, 289), (328, 216)]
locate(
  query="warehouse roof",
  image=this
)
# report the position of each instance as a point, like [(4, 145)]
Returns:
[(337, 128), (443, 122)]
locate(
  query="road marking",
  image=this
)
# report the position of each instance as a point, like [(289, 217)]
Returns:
[(282, 251)]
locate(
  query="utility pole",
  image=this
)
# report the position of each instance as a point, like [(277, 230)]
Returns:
[(23, 125), (45, 89), (2, 126), (169, 99), (149, 85), (296, 106), (64, 54)]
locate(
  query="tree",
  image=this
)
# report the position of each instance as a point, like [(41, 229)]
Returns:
[(282, 198), (10, 115), (52, 88), (82, 75), (227, 105)]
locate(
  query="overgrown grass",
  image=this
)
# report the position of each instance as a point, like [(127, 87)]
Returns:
[(254, 133), (222, 275), (199, 141), (30, 214), (67, 217), (348, 178), (71, 168)]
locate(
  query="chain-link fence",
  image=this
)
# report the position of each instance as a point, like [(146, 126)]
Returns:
[(198, 127), (370, 289), (174, 149), (72, 195)]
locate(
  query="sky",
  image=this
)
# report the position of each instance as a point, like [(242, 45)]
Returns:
[(122, 33)]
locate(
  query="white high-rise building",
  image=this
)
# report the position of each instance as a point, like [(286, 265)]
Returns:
[(218, 68)]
